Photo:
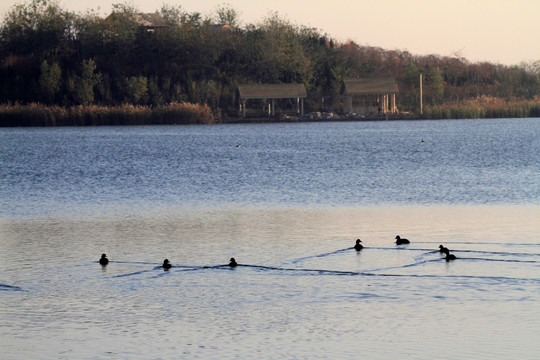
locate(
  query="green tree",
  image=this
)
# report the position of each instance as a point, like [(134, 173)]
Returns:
[(50, 80), (82, 87), (40, 27), (437, 85), (411, 81), (227, 16), (282, 55), (120, 33), (411, 76), (155, 94), (91, 31), (173, 15), (135, 89)]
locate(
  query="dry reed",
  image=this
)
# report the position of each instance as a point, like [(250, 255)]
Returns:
[(93, 115), (485, 107)]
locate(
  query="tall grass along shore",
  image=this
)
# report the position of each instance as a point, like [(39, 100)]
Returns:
[(94, 115), (187, 113), (484, 107)]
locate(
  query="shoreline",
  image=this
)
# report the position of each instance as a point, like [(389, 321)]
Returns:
[(236, 121), (305, 119), (38, 115)]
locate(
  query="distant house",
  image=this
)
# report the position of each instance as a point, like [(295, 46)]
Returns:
[(270, 95), (150, 22), (370, 96)]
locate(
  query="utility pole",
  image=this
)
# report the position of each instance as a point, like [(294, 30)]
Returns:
[(421, 102)]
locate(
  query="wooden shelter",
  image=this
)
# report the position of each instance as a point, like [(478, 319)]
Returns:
[(270, 93), (370, 96)]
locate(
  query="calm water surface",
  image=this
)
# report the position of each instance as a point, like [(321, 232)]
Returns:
[(287, 201)]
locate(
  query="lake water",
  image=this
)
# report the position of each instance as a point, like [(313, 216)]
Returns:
[(288, 202)]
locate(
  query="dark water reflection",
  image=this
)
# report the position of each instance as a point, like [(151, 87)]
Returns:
[(89, 170)]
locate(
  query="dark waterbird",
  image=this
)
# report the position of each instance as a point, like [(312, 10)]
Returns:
[(232, 262), (166, 264), (400, 241), (448, 255), (358, 246), (442, 249), (103, 261)]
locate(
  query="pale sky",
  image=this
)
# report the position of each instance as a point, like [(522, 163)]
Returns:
[(499, 31)]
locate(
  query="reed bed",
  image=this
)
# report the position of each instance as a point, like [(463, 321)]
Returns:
[(95, 115), (484, 107), (187, 113)]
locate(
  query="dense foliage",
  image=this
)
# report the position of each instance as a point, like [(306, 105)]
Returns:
[(56, 57)]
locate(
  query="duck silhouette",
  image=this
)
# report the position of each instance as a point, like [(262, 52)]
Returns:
[(442, 249), (103, 260), (166, 264), (358, 246), (400, 241), (232, 262), (448, 255)]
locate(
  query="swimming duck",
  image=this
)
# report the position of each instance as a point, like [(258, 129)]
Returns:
[(103, 261), (448, 255), (166, 264), (232, 262), (442, 249), (358, 246), (400, 241)]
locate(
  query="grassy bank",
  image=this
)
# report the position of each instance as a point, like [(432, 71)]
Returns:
[(484, 108), (187, 113), (93, 115)]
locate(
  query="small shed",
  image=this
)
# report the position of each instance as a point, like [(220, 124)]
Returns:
[(370, 96), (271, 93)]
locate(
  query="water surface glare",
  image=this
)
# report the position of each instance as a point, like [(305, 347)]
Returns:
[(288, 204)]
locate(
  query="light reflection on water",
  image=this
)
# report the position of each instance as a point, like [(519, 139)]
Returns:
[(303, 295)]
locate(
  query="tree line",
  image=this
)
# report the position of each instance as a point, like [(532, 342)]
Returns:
[(57, 57)]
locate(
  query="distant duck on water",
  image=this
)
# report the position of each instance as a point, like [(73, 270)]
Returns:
[(358, 246), (442, 249), (448, 255), (400, 241), (232, 262), (166, 264), (103, 260)]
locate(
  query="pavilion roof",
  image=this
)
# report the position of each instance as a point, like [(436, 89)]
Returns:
[(371, 86), (272, 91)]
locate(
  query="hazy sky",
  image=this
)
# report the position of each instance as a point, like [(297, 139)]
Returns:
[(498, 31)]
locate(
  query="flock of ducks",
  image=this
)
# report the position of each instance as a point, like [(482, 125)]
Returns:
[(232, 262), (401, 241), (166, 263)]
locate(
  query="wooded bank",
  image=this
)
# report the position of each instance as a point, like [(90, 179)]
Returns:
[(62, 59)]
